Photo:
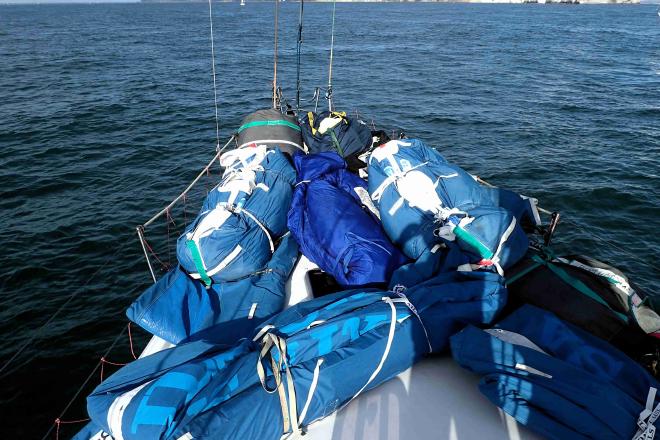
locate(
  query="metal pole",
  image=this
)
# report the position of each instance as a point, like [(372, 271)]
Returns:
[(144, 249)]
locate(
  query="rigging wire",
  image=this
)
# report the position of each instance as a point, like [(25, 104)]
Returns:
[(277, 8), (328, 92), (298, 52), (215, 88), (71, 297), (84, 384)]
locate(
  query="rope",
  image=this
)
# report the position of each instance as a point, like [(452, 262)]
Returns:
[(328, 93), (164, 266), (299, 51), (59, 422), (71, 297), (130, 340), (105, 361), (84, 384), (215, 89), (277, 9)]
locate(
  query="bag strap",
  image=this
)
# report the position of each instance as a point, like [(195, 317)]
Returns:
[(199, 264), (310, 117), (545, 259), (336, 143)]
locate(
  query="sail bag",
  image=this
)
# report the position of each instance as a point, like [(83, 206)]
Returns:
[(593, 295), (234, 235), (178, 307), (423, 201), (306, 363), (559, 380), (272, 128), (333, 220), (334, 131)]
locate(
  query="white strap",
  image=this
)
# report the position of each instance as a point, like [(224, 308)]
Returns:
[(496, 257), (648, 413), (263, 228), (404, 299), (287, 398), (388, 345), (252, 310), (273, 141), (532, 370), (224, 263), (310, 393)]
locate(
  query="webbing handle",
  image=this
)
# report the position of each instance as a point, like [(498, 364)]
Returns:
[(579, 286), (199, 265)]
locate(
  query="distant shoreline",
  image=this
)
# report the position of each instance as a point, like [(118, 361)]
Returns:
[(564, 2)]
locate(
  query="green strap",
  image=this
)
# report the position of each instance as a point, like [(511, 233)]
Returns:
[(470, 240), (578, 285), (522, 273), (336, 142), (267, 123), (197, 259)]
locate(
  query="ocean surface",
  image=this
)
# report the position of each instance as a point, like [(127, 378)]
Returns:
[(106, 113)]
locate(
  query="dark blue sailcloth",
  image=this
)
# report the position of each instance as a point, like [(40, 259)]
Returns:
[(309, 361), (331, 220), (558, 379)]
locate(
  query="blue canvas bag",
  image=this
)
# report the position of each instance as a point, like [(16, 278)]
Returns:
[(331, 218), (558, 379), (242, 217), (423, 200), (305, 363), (178, 307)]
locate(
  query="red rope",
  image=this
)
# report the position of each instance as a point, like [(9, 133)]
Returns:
[(153, 253), (105, 361), (130, 341), (59, 422)]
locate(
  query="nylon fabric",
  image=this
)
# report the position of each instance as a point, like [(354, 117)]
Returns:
[(577, 387), (241, 217), (272, 128), (334, 131), (333, 227), (361, 338), (178, 307), (424, 200), (590, 294)]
